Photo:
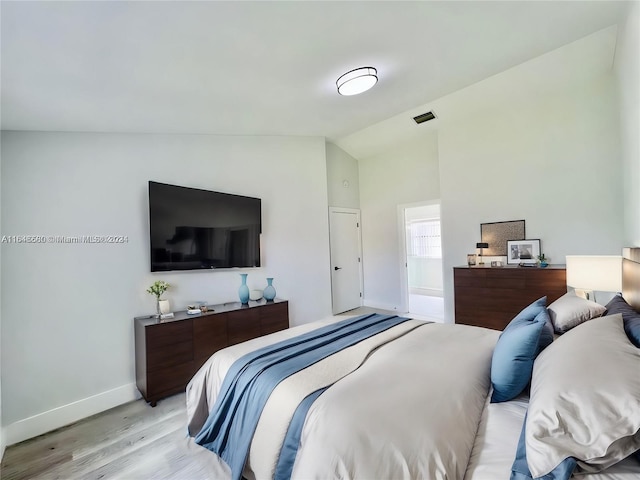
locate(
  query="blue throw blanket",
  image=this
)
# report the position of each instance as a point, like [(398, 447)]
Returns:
[(249, 382), (289, 450)]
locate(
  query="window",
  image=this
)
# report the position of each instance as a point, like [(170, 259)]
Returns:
[(424, 239)]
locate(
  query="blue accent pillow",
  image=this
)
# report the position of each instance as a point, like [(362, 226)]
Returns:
[(547, 334), (630, 317), (517, 348)]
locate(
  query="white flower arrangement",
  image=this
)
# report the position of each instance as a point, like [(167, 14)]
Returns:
[(158, 288)]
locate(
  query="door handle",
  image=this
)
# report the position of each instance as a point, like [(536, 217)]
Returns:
[(337, 268)]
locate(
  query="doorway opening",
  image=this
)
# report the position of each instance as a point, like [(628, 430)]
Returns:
[(423, 261)]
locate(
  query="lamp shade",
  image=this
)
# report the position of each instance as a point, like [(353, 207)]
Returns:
[(482, 245), (602, 273), (357, 81)]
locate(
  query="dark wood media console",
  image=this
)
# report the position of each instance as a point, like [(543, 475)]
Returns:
[(169, 352), (491, 297)]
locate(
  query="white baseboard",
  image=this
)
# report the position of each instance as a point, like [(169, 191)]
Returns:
[(61, 416), (381, 306), (428, 292)]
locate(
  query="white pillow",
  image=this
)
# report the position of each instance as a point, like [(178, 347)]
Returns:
[(585, 399), (570, 311)]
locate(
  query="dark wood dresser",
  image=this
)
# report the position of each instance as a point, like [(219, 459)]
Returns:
[(491, 297), (169, 352)]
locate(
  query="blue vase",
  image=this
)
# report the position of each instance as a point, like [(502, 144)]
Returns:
[(269, 292), (243, 291)]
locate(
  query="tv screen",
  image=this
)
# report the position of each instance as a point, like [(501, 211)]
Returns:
[(192, 229)]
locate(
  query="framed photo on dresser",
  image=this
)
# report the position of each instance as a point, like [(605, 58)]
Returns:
[(523, 251)]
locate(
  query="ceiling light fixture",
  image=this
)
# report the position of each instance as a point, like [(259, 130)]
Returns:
[(357, 81)]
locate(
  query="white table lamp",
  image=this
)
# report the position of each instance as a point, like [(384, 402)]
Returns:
[(594, 273)]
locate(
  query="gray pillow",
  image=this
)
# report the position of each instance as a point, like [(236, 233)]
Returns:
[(570, 311), (585, 399)]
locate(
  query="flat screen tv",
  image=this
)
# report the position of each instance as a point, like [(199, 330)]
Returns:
[(192, 229)]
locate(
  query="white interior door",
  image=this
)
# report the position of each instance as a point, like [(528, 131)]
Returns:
[(346, 265)]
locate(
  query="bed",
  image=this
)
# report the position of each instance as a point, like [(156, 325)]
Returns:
[(403, 398)]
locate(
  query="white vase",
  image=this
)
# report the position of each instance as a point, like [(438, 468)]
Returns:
[(164, 307)]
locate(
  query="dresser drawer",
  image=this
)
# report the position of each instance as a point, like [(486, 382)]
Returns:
[(274, 318), (169, 380), (469, 277), (169, 344), (504, 278), (169, 355), (553, 282), (209, 335), (165, 334), (243, 325)]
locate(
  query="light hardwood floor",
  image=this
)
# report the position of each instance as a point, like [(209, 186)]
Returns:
[(132, 441)]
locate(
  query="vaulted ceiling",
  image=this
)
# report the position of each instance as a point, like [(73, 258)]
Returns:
[(261, 68)]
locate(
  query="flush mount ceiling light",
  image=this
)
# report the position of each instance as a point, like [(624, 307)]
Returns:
[(357, 81)]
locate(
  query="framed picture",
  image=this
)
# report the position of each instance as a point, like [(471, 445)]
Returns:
[(497, 234), (471, 259), (523, 251)]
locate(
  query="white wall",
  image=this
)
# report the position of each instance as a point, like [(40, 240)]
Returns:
[(551, 158), (405, 174), (68, 309), (341, 168), (2, 437), (626, 69)]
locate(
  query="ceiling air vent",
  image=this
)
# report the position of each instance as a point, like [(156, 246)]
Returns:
[(425, 117)]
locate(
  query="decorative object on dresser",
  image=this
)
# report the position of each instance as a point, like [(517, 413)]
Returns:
[(542, 261), (491, 297), (497, 234), (164, 307), (197, 307), (269, 292), (168, 353), (158, 288), (481, 246), (471, 259), (523, 251), (255, 295), (243, 291)]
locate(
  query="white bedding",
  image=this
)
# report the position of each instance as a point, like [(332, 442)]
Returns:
[(411, 410), (497, 439), (418, 407)]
